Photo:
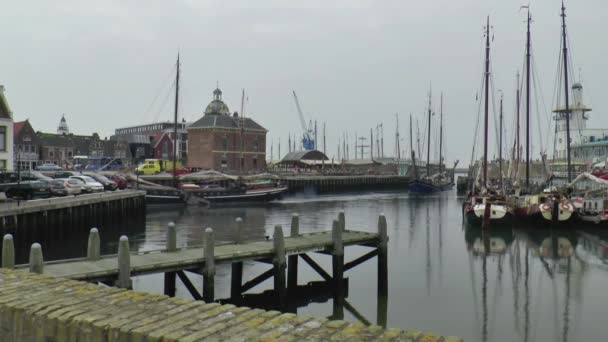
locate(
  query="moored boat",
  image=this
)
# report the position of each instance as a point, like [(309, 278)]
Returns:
[(475, 208), (548, 207)]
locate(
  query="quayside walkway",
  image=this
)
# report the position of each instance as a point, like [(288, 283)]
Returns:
[(36, 307)]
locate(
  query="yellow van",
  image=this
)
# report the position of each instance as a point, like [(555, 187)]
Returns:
[(156, 166)]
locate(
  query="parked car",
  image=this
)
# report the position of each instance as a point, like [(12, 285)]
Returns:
[(108, 184), (48, 167), (120, 181), (90, 185), (61, 174), (66, 186), (23, 185)]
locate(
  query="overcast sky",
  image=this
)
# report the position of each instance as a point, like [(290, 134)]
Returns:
[(353, 63)]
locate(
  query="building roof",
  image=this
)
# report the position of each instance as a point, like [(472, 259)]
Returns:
[(304, 155), (217, 106), (17, 127), (5, 110), (225, 121)]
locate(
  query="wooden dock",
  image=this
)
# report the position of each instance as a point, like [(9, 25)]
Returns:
[(320, 183), (72, 209), (327, 183), (193, 258), (37, 302)]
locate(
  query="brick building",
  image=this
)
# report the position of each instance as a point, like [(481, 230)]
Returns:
[(154, 140), (36, 148), (226, 142)]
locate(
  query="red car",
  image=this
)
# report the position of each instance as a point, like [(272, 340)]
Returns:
[(120, 181)]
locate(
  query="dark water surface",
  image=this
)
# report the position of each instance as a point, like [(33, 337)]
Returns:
[(440, 279)]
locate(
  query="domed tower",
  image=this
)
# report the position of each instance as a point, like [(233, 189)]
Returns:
[(217, 106), (63, 129)]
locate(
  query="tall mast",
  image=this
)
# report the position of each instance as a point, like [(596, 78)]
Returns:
[(487, 82), (324, 138), (428, 145), (175, 140), (242, 124), (411, 137), (381, 140), (397, 138), (565, 58), (371, 144), (528, 54), (440, 131), (500, 143), (517, 104)]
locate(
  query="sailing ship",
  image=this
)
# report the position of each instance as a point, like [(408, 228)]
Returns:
[(437, 182), (484, 202), (162, 194), (552, 205)]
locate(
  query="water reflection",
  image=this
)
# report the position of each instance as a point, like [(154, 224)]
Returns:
[(510, 283), (556, 253)]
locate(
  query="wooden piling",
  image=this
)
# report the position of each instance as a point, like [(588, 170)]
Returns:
[(382, 256), (342, 220), (292, 260), (124, 264), (93, 245), (171, 246), (209, 267), (171, 243), (236, 279), (36, 259), (240, 230), (8, 251), (279, 264), (337, 256)]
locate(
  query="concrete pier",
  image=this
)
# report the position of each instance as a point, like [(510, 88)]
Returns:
[(37, 307), (70, 210)]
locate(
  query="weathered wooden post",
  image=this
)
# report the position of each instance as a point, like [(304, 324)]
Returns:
[(93, 246), (337, 256), (36, 259), (236, 280), (279, 264), (342, 220), (171, 246), (124, 264), (292, 260), (382, 256), (8, 251), (209, 267)]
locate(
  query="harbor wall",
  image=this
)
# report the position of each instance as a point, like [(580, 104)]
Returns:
[(41, 308)]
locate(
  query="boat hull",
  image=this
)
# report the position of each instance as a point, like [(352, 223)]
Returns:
[(424, 187), (499, 214), (264, 195)]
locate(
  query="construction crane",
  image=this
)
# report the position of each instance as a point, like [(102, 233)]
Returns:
[(308, 142)]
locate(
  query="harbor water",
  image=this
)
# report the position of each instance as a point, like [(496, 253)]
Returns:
[(510, 284)]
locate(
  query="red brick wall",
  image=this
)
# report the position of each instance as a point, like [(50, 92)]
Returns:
[(206, 149)]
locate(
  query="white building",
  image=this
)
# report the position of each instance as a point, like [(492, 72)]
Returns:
[(585, 143), (6, 133), (63, 126)]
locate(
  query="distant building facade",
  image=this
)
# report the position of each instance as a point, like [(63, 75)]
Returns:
[(226, 142), (6, 133), (36, 148), (27, 146), (154, 140)]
